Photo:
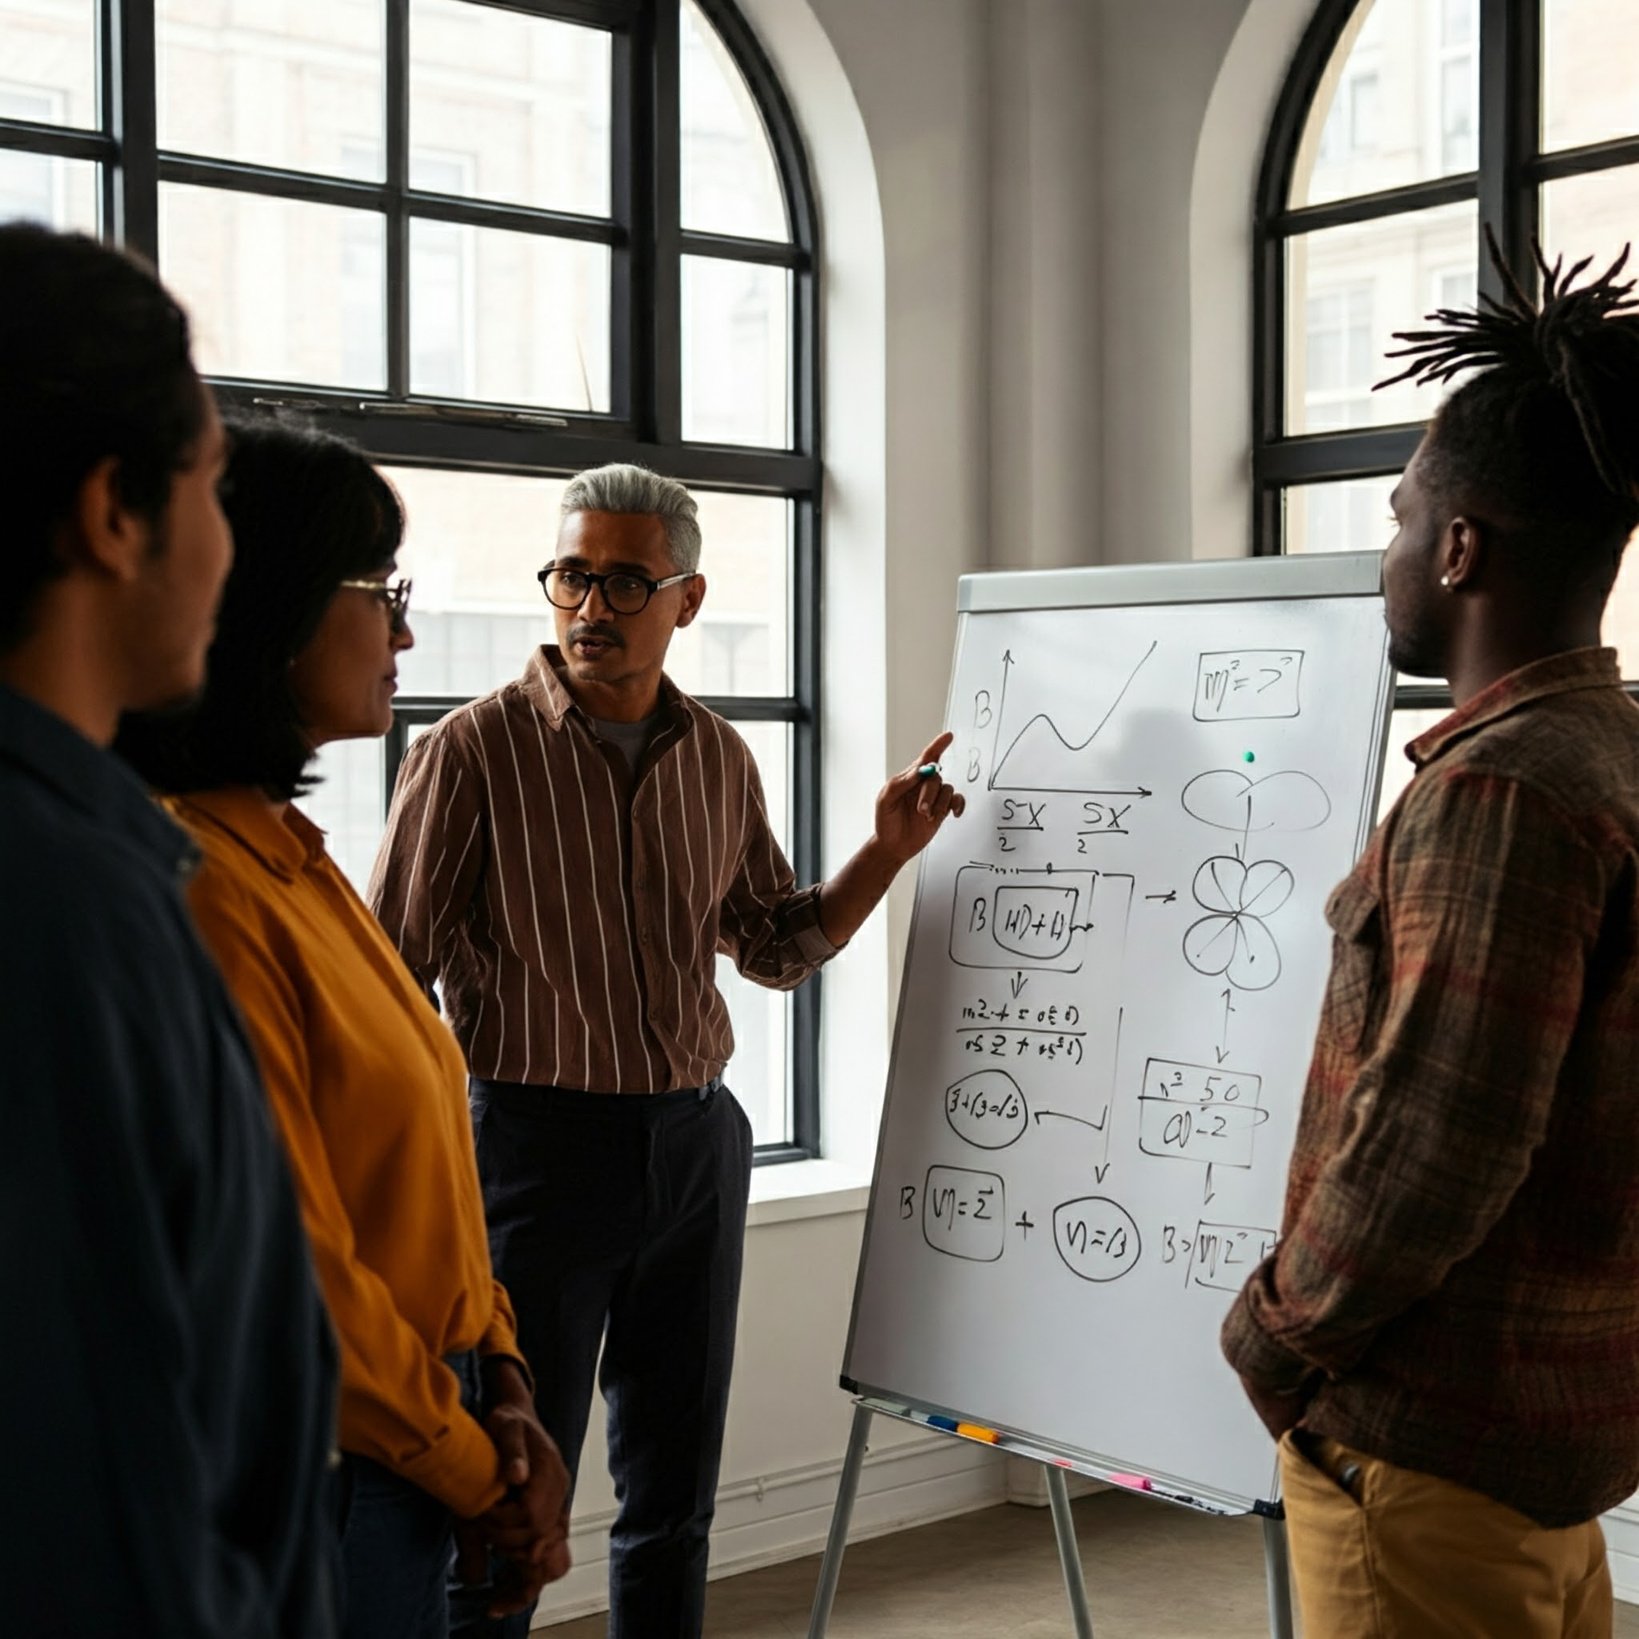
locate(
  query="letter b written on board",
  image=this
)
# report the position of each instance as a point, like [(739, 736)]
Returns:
[(907, 1200)]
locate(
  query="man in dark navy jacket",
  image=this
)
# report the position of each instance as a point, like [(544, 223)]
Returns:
[(167, 1379)]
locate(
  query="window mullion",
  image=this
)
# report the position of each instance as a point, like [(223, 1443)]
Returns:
[(1510, 100), (397, 84), (130, 104), (666, 192)]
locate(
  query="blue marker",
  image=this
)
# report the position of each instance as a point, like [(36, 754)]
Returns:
[(946, 1423), (927, 771)]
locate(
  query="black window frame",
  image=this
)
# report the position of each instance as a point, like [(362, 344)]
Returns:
[(1512, 170), (647, 242)]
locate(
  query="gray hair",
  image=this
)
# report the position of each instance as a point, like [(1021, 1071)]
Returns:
[(622, 488)]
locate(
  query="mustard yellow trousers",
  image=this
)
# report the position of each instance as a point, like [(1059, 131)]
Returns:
[(1380, 1552)]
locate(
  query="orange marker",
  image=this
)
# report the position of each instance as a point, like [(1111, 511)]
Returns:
[(974, 1432)]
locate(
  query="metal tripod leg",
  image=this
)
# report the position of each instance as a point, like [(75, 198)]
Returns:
[(1277, 1567), (847, 1489), (1064, 1529)]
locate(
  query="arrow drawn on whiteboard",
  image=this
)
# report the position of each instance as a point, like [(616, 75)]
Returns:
[(1166, 898), (1001, 712), (1223, 1036), (1081, 1121), (1017, 984)]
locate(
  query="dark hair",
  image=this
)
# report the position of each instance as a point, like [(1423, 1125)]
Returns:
[(94, 364), (1546, 437), (308, 511)]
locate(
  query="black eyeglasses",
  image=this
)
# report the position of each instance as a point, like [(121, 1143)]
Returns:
[(624, 592), (395, 598)]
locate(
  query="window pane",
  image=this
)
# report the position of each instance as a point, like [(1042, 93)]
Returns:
[(520, 104), (1590, 91), (62, 193), (1348, 290), (297, 85), (1593, 215), (1399, 102), (1621, 627), (760, 1072), (1404, 727), (510, 318), (736, 353), (730, 184), (473, 544), (1350, 516), (48, 62), (278, 291), (351, 804), (741, 642)]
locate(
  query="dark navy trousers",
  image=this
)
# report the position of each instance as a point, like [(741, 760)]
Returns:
[(617, 1221)]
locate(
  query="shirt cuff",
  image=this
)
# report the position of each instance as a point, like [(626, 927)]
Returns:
[(803, 928), (1257, 1357), (461, 1469)]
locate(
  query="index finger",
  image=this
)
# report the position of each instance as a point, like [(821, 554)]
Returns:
[(909, 778), (935, 749)]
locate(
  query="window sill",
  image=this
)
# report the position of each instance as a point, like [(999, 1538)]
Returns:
[(806, 1189)]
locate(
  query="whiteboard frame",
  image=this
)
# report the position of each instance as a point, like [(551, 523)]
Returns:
[(1230, 580)]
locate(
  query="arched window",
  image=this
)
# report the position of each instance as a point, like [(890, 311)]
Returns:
[(1405, 127), (494, 243)]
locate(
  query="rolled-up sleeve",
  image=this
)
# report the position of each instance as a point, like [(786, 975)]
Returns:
[(769, 926)]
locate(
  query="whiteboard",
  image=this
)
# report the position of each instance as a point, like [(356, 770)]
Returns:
[(1116, 965)]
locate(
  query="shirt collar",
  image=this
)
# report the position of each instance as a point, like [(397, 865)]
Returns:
[(85, 775), (286, 843), (1566, 673), (542, 681)]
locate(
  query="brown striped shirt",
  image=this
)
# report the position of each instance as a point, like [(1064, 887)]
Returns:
[(571, 914)]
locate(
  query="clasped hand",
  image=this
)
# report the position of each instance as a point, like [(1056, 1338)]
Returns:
[(528, 1529)]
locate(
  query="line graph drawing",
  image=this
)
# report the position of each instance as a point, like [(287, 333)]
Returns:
[(1040, 758), (1229, 800), (1232, 940)]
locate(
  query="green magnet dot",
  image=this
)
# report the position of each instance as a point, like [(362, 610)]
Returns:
[(1251, 757)]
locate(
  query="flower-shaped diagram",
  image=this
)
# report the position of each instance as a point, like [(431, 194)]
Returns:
[(1232, 940)]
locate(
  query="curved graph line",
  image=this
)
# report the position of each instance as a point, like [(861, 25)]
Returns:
[(995, 781)]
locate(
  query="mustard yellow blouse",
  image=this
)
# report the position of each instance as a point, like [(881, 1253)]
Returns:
[(369, 1091)]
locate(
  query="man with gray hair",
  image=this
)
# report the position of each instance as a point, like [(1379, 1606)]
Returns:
[(565, 858)]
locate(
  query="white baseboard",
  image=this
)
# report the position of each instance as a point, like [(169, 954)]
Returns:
[(1622, 1547), (784, 1516)]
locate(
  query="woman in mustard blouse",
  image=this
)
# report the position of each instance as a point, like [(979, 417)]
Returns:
[(439, 1441)]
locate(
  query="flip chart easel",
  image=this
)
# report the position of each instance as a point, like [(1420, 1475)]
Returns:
[(1055, 1468), (1116, 964)]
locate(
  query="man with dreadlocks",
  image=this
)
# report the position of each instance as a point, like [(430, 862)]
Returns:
[(1446, 1340)]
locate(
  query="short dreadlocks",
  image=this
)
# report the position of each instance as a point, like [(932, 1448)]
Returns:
[(1542, 444)]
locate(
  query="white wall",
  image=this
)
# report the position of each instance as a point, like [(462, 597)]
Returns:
[(1010, 191)]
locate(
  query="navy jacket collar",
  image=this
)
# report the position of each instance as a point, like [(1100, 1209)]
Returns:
[(85, 776)]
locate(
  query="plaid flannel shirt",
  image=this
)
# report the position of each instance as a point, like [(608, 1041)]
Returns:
[(1456, 1289)]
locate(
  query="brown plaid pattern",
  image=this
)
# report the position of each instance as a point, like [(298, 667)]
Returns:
[(1457, 1285)]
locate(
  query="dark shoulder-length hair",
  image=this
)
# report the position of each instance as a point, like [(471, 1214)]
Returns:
[(308, 511)]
